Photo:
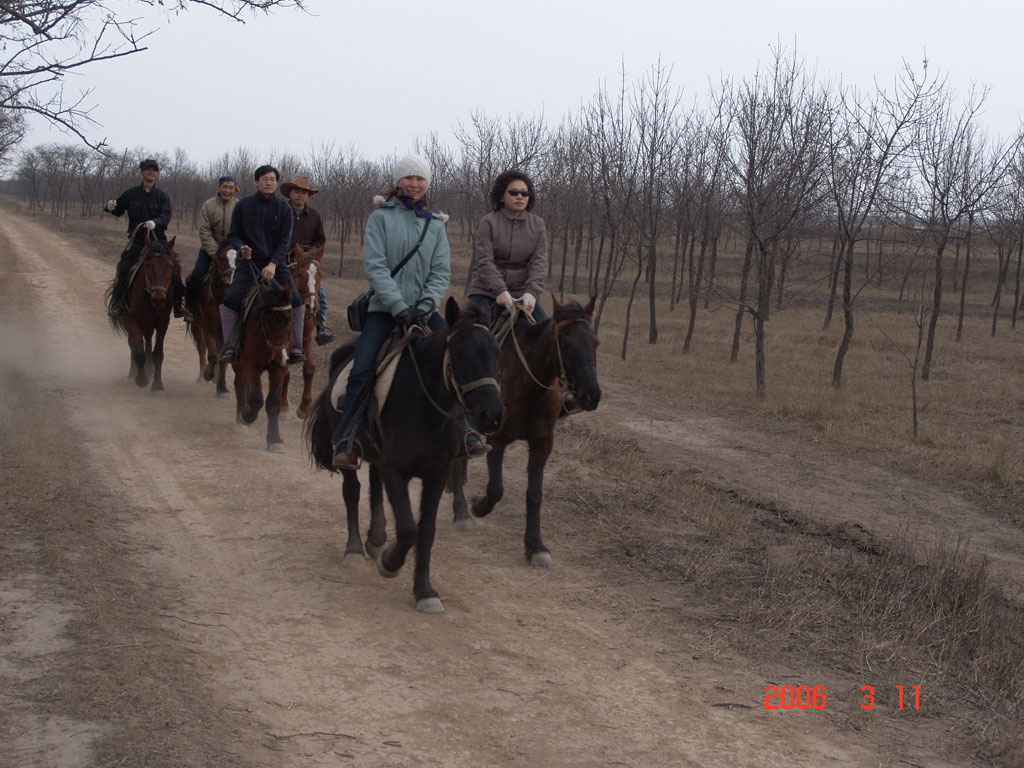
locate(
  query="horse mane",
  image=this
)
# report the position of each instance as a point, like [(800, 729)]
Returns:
[(276, 295), (470, 314)]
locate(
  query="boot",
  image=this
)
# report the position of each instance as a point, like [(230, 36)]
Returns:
[(473, 444), (324, 335), (346, 440), (116, 308), (179, 295), (192, 289), (295, 354), (228, 324)]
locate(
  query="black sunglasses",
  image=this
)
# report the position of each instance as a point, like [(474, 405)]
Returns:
[(518, 192)]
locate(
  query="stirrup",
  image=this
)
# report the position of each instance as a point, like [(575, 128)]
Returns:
[(473, 445), (324, 335), (570, 405), (296, 355), (229, 354), (348, 454)]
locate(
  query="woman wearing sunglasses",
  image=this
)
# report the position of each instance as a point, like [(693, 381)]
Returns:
[(511, 258)]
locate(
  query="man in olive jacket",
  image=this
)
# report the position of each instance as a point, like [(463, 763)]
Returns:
[(214, 222)]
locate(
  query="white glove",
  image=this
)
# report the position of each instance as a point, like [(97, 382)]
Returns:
[(150, 225), (111, 205), (505, 300), (528, 301)]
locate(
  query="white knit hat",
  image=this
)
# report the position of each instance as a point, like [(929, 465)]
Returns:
[(411, 165)]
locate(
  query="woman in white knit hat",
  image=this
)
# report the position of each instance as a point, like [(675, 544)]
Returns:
[(401, 225)]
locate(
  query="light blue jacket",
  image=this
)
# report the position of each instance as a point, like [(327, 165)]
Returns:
[(391, 232)]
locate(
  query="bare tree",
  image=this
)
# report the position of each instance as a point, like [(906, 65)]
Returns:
[(42, 41)]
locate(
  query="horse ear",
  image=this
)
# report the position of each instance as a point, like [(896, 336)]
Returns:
[(170, 244), (555, 306), (319, 254), (297, 251), (589, 309), (451, 311)]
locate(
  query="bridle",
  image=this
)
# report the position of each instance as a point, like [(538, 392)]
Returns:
[(510, 331), (450, 382)]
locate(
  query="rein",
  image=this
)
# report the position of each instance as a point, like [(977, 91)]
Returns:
[(558, 346), (450, 383)]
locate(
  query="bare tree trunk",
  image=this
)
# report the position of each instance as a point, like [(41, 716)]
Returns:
[(936, 309), (711, 268), (695, 296), (652, 269), (846, 259), (835, 266), (963, 287), (956, 265), (576, 255), (1016, 288), (629, 308), (742, 302), (675, 265), (1000, 281)]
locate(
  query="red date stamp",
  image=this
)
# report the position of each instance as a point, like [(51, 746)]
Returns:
[(787, 697)]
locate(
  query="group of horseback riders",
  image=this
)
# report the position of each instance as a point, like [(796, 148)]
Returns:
[(406, 257)]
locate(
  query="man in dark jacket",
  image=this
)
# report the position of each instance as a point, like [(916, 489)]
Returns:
[(308, 232), (261, 229), (149, 212)]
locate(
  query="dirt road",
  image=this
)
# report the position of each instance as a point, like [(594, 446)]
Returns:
[(172, 593)]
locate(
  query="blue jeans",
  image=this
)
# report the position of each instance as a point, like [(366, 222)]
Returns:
[(321, 313), (376, 330)]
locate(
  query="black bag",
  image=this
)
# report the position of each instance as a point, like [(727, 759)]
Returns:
[(360, 306), (358, 310)]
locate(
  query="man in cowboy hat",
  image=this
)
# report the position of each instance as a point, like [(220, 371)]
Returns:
[(308, 232), (214, 223), (149, 213)]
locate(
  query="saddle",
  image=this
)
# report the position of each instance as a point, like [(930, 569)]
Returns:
[(383, 373)]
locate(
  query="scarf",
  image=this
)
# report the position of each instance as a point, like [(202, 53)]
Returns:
[(419, 207)]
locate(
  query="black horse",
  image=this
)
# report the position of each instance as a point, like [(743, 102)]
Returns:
[(420, 431), (533, 360)]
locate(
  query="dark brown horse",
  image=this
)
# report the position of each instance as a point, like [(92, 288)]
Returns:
[(421, 427), (205, 330), (306, 271), (148, 311), (533, 360), (266, 332)]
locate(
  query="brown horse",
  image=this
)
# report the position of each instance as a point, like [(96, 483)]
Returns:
[(266, 332), (205, 330), (533, 360), (306, 271), (148, 310)]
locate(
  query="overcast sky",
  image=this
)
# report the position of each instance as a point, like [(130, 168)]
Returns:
[(374, 75)]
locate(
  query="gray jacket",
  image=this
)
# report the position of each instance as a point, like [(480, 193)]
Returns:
[(511, 255), (391, 232)]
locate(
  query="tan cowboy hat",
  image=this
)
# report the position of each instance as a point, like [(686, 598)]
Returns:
[(299, 182)]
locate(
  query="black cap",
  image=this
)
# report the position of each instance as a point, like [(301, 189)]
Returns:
[(149, 162)]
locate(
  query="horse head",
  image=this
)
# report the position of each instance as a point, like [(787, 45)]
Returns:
[(577, 349), (227, 262), (275, 315), (307, 272), (474, 363), (158, 265)]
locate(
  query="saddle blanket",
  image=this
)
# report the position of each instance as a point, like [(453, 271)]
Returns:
[(385, 374)]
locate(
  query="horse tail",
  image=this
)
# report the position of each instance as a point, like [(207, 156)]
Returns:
[(117, 323), (317, 432)]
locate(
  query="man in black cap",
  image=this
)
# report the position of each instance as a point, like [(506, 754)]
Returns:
[(149, 212)]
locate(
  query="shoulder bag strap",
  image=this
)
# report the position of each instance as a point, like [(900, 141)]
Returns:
[(412, 253)]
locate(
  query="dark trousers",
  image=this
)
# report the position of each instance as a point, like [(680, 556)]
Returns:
[(245, 276), (486, 302), (195, 279), (376, 330)]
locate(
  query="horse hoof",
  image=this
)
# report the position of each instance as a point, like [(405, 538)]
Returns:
[(384, 571), (241, 426), (541, 560), (466, 523), (352, 559), (374, 551), (275, 447), (160, 392), (223, 395), (302, 413), (430, 605), (284, 416)]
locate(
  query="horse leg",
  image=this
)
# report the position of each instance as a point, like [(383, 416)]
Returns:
[(199, 337), (540, 449), (350, 492), (253, 394), (241, 395), (427, 600), (285, 407), (275, 394), (308, 371), (158, 359), (149, 352), (457, 485), (393, 558), (495, 488), (376, 535), (138, 359)]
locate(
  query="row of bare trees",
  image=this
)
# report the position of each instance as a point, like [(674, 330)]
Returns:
[(809, 182)]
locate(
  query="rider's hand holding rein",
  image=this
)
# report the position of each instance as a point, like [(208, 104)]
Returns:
[(527, 301)]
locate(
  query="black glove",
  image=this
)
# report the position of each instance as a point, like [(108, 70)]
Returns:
[(406, 319)]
